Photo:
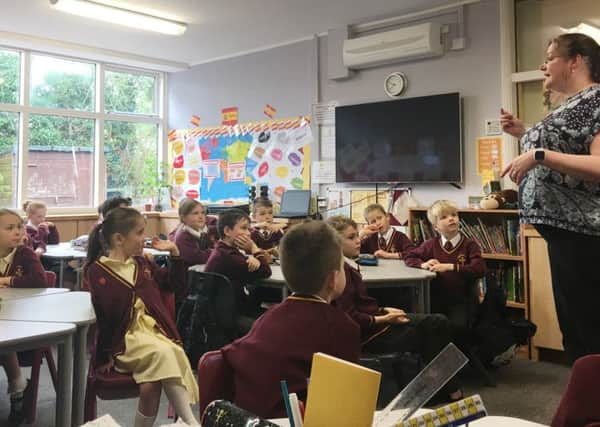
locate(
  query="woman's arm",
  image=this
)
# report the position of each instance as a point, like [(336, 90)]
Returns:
[(581, 166)]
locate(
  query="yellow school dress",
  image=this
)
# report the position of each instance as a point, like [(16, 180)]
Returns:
[(149, 355)]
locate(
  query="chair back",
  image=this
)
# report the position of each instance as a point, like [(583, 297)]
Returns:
[(215, 379), (579, 404), (206, 317), (50, 279)]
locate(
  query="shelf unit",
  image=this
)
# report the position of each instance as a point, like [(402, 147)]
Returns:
[(500, 255)]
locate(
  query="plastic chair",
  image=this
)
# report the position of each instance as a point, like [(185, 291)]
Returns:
[(114, 385), (34, 359), (215, 379)]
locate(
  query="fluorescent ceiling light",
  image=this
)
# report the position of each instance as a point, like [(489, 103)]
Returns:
[(117, 15), (583, 28)]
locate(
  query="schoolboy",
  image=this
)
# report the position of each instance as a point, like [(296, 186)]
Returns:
[(379, 237), (282, 341), (265, 233), (457, 260), (387, 329), (236, 256), (111, 203)]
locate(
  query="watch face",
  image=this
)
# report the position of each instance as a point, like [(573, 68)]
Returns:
[(395, 84)]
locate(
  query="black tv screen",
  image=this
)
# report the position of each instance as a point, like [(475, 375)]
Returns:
[(405, 141)]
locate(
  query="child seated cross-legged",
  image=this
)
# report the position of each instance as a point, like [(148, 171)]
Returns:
[(265, 233), (136, 334), (379, 238), (458, 263), (19, 268), (237, 257), (387, 329), (282, 341)]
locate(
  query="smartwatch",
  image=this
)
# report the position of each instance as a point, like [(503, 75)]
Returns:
[(539, 155)]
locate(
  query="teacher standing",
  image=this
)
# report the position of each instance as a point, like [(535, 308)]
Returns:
[(558, 174)]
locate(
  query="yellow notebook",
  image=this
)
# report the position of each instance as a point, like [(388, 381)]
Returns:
[(340, 393)]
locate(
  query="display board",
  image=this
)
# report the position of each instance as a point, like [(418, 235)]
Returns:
[(218, 164)]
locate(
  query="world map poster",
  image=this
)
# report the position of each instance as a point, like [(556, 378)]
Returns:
[(217, 165)]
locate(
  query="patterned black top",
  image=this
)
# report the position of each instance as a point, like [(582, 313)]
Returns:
[(553, 198)]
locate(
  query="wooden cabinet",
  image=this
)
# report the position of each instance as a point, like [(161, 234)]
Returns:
[(543, 310)]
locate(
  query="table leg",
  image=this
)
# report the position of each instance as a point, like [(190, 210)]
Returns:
[(61, 272), (79, 374), (284, 292), (421, 297), (64, 394), (427, 295)]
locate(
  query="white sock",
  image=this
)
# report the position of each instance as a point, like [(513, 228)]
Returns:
[(143, 421), (178, 396), (17, 385)]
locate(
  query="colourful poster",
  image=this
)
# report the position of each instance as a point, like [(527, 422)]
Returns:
[(489, 154), (218, 164)]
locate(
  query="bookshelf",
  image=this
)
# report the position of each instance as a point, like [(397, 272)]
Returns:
[(498, 233)]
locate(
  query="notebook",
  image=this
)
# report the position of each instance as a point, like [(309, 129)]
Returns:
[(294, 204), (340, 393)]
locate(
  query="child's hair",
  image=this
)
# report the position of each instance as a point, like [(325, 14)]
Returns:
[(308, 253), (230, 218), (439, 208), (111, 203), (261, 202), (31, 207), (117, 220), (374, 207), (341, 222), (4, 211), (186, 206)]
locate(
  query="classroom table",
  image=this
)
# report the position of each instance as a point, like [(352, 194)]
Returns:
[(19, 293), (20, 336), (64, 252), (68, 307), (389, 273)]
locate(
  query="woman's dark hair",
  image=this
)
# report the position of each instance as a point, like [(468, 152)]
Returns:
[(573, 44), (113, 202), (230, 218), (117, 220), (186, 206)]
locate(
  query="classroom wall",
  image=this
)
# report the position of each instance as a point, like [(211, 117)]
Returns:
[(283, 77), (287, 78)]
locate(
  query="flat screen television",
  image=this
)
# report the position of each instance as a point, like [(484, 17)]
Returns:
[(410, 140)]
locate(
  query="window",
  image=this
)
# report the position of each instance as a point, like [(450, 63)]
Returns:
[(129, 93), (9, 76), (131, 153), (59, 83), (9, 125), (68, 117), (60, 160)]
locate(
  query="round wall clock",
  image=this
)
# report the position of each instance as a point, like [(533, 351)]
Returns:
[(395, 84)]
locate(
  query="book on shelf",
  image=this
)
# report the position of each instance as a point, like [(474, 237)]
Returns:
[(509, 276)]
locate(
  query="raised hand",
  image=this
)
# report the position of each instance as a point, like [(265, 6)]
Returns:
[(511, 124), (165, 245)]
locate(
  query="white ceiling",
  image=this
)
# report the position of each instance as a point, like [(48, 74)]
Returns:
[(217, 28)]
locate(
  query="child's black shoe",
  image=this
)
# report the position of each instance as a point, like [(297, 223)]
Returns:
[(17, 407)]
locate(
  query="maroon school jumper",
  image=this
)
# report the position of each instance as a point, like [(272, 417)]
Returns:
[(41, 236), (398, 243), (280, 346), (267, 240), (26, 270)]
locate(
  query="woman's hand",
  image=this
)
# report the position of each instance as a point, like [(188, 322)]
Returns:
[(165, 245), (519, 166), (511, 124), (5, 282)]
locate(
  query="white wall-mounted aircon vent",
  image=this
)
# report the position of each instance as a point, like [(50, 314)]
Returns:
[(414, 42)]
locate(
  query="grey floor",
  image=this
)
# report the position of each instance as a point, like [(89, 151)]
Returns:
[(526, 389)]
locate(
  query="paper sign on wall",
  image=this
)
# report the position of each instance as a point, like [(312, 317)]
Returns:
[(489, 154), (229, 116)]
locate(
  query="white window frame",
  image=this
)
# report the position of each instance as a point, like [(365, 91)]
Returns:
[(24, 109)]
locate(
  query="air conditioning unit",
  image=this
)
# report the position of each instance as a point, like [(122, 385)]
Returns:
[(414, 42)]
